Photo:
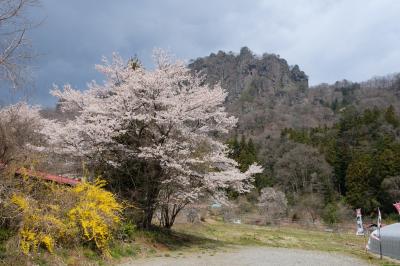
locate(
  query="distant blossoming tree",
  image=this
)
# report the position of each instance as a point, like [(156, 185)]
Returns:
[(272, 203), (20, 125), (166, 120)]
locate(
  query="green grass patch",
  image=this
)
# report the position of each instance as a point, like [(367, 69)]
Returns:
[(121, 250), (91, 254)]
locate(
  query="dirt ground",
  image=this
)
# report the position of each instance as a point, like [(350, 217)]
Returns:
[(253, 256)]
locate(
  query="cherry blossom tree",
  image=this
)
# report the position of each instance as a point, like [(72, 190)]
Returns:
[(20, 125), (166, 120), (272, 203)]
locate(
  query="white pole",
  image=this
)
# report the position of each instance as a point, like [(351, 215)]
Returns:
[(380, 242), (379, 232)]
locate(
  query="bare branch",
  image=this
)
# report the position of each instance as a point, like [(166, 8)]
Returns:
[(15, 52)]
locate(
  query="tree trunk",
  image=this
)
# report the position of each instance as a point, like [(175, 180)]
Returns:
[(147, 218), (151, 190), (168, 215)]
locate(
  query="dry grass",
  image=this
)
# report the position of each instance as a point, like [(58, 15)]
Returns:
[(284, 237)]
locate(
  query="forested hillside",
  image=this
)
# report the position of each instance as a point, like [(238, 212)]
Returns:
[(324, 146)]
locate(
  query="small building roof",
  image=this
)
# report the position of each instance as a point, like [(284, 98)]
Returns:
[(46, 176)]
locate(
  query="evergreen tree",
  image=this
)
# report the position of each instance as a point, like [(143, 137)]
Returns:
[(335, 105), (245, 153), (234, 148), (390, 116), (251, 148), (360, 193)]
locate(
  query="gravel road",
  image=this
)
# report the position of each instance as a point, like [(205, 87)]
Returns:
[(253, 256)]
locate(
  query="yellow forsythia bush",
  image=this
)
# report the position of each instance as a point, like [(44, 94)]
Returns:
[(96, 212), (40, 225), (86, 212)]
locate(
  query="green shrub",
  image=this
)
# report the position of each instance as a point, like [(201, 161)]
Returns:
[(330, 214), (127, 231)]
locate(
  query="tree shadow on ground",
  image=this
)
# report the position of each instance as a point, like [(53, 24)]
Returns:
[(174, 240)]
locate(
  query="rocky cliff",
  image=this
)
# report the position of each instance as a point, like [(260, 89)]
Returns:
[(264, 92)]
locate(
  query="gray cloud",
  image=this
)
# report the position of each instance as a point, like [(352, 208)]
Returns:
[(330, 40)]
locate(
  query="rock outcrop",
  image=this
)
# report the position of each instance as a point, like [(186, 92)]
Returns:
[(264, 92)]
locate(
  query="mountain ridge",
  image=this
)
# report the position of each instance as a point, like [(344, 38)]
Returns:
[(267, 94)]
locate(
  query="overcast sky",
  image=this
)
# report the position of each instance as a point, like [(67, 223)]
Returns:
[(329, 40)]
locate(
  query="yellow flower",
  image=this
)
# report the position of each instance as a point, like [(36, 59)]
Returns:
[(20, 201), (48, 241)]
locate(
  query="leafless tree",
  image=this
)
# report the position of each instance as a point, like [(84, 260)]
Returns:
[(308, 207), (303, 170), (15, 50)]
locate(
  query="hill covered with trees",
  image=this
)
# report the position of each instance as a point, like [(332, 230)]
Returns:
[(333, 143)]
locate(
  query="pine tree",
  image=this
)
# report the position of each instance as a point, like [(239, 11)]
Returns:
[(390, 116), (360, 193), (234, 147), (251, 148)]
